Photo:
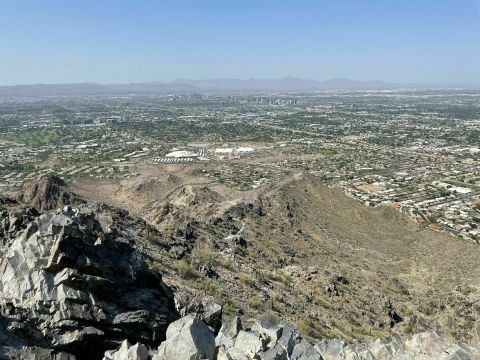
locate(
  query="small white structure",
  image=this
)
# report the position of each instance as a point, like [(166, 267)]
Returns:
[(245, 149), (223, 151), (181, 154), (461, 190)]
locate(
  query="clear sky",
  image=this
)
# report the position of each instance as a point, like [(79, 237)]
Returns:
[(118, 41)]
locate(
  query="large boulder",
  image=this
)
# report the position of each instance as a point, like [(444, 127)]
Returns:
[(70, 283), (128, 352), (358, 351), (206, 307), (188, 338), (267, 339), (289, 337), (304, 351), (269, 327), (228, 333), (249, 343), (385, 348), (282, 339), (331, 349)]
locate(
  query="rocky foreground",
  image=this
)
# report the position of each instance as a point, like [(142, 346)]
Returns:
[(268, 339), (71, 284), (75, 285)]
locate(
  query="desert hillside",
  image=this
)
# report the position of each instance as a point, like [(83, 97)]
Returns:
[(309, 253)]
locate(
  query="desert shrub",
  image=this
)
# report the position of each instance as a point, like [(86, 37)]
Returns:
[(154, 265), (305, 327), (229, 307), (208, 287), (185, 270), (247, 279), (255, 303), (205, 256), (208, 257)]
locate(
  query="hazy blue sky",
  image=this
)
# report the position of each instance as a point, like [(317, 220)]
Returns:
[(113, 41)]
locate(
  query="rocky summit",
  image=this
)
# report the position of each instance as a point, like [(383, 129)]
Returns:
[(69, 284), (75, 283)]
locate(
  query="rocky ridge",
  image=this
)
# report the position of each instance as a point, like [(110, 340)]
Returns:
[(75, 284)]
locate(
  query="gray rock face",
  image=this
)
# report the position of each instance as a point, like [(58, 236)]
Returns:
[(426, 346), (187, 339), (282, 337), (268, 339), (423, 346), (68, 284), (212, 313)]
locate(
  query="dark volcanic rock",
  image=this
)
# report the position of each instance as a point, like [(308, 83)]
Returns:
[(68, 284), (13, 219)]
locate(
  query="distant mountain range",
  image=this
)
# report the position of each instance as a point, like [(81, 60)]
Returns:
[(223, 85), (287, 84), (95, 89)]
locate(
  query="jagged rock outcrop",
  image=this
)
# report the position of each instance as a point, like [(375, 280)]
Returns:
[(14, 218), (70, 283), (49, 193), (187, 339), (269, 339)]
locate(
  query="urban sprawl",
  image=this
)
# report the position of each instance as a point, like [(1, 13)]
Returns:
[(418, 152)]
